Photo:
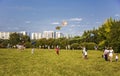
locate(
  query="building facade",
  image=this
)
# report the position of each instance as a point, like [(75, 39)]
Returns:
[(4, 35), (58, 35), (45, 34), (48, 34), (36, 36)]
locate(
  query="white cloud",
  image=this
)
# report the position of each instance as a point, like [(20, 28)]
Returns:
[(117, 15), (72, 26), (27, 22), (55, 23), (76, 19)]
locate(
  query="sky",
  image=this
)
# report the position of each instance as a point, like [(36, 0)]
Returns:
[(46, 15)]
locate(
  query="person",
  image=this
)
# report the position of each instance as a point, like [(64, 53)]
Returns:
[(95, 47), (106, 52), (84, 52), (57, 50), (32, 51), (8, 45), (111, 54), (116, 57)]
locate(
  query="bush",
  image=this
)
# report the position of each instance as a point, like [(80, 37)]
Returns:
[(28, 45), (89, 45), (75, 46), (116, 46)]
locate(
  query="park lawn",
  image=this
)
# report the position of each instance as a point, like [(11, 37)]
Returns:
[(46, 62)]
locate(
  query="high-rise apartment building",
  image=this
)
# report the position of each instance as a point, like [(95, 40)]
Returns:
[(36, 35), (59, 35), (45, 34), (23, 32), (4, 35), (48, 34)]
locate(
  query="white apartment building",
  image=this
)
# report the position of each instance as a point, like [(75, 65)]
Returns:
[(36, 35), (48, 34), (68, 36), (23, 32), (59, 35), (4, 35)]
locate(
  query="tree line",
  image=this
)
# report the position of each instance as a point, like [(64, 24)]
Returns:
[(106, 35)]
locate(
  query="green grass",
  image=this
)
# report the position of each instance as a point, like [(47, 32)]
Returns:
[(47, 63)]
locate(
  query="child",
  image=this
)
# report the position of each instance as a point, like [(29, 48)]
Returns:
[(116, 57), (32, 50), (57, 50)]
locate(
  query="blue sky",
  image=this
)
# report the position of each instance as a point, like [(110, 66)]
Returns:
[(45, 15)]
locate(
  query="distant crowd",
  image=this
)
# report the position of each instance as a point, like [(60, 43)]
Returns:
[(108, 54)]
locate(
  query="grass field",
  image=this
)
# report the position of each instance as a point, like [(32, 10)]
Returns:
[(47, 63)]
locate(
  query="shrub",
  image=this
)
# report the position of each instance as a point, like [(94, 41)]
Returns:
[(89, 45), (75, 46)]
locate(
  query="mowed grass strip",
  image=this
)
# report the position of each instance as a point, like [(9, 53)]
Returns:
[(46, 62)]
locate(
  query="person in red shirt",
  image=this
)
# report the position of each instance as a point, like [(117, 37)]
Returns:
[(57, 50)]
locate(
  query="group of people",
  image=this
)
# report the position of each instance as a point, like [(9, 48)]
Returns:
[(108, 54)]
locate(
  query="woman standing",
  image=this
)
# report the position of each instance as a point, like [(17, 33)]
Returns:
[(84, 52), (111, 54)]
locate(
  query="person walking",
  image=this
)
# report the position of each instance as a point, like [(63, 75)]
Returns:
[(111, 54), (84, 52), (116, 57), (57, 50), (106, 52)]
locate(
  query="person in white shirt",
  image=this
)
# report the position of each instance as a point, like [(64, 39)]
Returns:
[(84, 52), (111, 54), (116, 57)]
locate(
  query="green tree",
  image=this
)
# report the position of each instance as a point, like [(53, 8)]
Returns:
[(114, 36), (63, 42), (75, 46), (14, 39), (41, 42), (50, 42), (4, 43), (104, 31)]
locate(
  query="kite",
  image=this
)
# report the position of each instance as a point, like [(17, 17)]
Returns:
[(64, 23), (58, 28)]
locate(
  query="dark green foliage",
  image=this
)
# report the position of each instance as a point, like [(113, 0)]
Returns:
[(114, 36), (106, 35), (14, 39), (3, 43), (75, 46), (89, 45), (28, 44)]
